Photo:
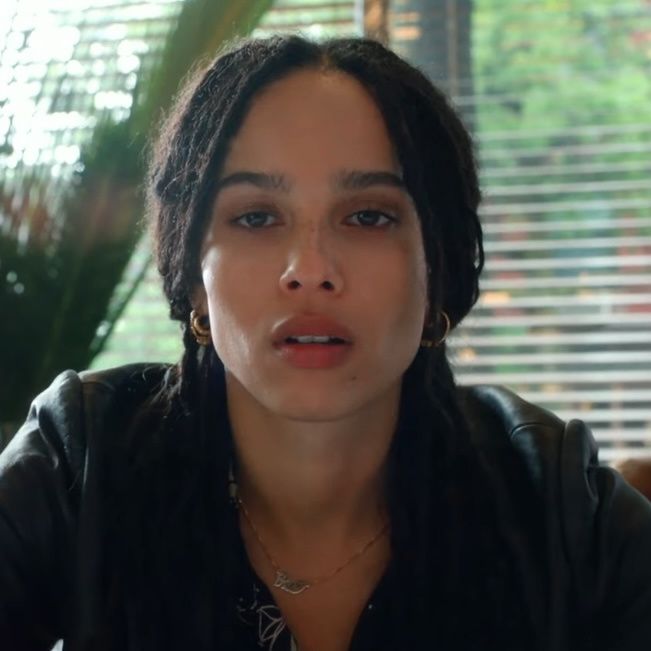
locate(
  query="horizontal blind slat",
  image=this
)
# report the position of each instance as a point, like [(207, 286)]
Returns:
[(581, 280), (564, 338), (615, 396), (569, 262), (619, 320)]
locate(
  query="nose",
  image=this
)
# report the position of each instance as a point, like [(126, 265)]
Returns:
[(311, 264)]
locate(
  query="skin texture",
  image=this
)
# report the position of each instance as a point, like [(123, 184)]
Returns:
[(312, 443), (309, 128)]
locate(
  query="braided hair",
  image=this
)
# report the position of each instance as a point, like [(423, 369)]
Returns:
[(177, 566)]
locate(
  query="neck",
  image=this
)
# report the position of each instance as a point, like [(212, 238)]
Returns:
[(305, 482)]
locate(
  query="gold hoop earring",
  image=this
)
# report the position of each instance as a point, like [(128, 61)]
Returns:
[(200, 330), (430, 343)]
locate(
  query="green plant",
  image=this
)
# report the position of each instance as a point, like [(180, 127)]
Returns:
[(63, 250)]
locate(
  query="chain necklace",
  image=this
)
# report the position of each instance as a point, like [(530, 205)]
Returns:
[(295, 586)]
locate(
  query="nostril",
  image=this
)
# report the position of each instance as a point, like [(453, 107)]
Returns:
[(295, 284)]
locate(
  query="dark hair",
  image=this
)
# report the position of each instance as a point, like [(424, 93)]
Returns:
[(445, 532), (434, 149)]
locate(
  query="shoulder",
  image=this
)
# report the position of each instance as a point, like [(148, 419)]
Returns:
[(596, 528), (500, 419), (75, 406), (118, 393), (562, 458), (488, 407), (48, 496)]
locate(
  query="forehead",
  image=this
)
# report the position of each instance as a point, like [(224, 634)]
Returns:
[(312, 118)]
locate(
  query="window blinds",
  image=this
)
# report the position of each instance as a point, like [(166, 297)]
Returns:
[(559, 98)]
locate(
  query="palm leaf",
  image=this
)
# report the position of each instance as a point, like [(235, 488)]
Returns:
[(203, 27), (62, 260)]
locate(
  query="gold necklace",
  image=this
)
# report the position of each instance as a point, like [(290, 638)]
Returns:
[(295, 586)]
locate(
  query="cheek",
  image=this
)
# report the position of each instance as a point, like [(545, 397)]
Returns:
[(230, 290), (393, 301), (212, 274), (412, 298), (229, 279), (406, 280), (418, 272), (414, 302)]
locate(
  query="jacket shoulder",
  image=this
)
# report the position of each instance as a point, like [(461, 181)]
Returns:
[(49, 495), (597, 528), (75, 406), (130, 377), (492, 410), (499, 418)]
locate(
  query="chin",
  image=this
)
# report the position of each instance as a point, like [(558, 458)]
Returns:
[(320, 407)]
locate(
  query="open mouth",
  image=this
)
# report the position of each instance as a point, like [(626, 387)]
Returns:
[(314, 351), (313, 339)]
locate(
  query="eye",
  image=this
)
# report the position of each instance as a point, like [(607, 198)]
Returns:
[(371, 218), (255, 219)]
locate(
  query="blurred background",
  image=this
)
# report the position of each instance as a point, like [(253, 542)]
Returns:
[(556, 92)]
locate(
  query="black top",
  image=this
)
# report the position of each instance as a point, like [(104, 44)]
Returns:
[(592, 583)]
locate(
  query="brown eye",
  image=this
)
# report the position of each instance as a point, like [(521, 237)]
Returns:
[(255, 219), (371, 219)]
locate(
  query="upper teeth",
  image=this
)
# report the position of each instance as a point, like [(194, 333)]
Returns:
[(312, 339)]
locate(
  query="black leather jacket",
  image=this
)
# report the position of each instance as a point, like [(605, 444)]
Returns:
[(597, 529)]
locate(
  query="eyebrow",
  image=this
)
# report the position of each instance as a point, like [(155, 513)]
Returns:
[(258, 179), (359, 180), (346, 180)]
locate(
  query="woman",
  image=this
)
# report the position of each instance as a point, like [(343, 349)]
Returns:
[(309, 477)]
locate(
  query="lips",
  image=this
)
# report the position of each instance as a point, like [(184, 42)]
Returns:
[(310, 325), (309, 353)]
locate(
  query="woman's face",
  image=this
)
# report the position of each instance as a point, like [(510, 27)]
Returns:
[(313, 233)]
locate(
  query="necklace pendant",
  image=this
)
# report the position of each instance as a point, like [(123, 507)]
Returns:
[(287, 584)]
